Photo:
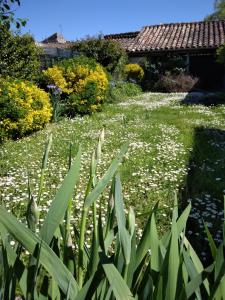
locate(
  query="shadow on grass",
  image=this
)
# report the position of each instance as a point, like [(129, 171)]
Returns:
[(205, 188), (204, 98)]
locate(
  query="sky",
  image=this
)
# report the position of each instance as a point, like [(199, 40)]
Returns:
[(77, 19)]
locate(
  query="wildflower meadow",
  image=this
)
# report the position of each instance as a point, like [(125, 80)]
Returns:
[(163, 158)]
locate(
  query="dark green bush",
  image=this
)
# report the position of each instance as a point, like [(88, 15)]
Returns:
[(106, 52), (77, 60), (19, 56), (121, 90), (221, 55)]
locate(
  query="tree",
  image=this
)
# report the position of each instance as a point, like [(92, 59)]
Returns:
[(219, 11), (7, 13), (221, 55), (107, 52), (19, 56)]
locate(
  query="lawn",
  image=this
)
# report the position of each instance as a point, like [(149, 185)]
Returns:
[(172, 148)]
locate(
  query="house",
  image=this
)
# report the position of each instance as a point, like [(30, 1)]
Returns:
[(197, 42), (55, 47)]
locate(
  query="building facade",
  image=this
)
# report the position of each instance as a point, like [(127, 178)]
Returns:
[(197, 42)]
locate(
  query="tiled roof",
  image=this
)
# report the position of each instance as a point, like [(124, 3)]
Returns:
[(55, 38), (176, 36), (125, 39)]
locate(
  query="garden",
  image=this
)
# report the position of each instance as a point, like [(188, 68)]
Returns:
[(108, 190)]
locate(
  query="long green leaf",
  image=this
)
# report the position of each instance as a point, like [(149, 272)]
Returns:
[(220, 292), (95, 193), (219, 283), (190, 268), (145, 243), (158, 292), (93, 286), (117, 283), (154, 244), (196, 282), (12, 257), (48, 258), (211, 242), (83, 292), (59, 205), (124, 236), (182, 220), (43, 167), (197, 263), (89, 200), (219, 260), (173, 263)]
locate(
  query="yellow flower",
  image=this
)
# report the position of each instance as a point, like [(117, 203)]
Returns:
[(94, 107), (31, 106), (75, 78), (80, 79), (134, 71)]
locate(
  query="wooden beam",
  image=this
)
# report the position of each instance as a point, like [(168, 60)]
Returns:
[(188, 63)]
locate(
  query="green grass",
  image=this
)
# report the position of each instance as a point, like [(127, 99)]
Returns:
[(172, 148)]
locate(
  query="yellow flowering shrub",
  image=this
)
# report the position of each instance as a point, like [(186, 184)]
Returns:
[(55, 76), (23, 108), (84, 82), (134, 72)]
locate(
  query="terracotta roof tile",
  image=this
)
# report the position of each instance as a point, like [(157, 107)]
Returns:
[(125, 39), (55, 38), (177, 36)]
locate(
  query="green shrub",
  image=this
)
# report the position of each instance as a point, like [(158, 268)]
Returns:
[(221, 55), (120, 263), (134, 73), (24, 108), (70, 63), (106, 52), (85, 102), (19, 56), (121, 90), (84, 80)]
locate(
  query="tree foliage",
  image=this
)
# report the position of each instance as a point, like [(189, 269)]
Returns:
[(221, 55), (7, 16), (219, 11), (19, 56), (108, 53)]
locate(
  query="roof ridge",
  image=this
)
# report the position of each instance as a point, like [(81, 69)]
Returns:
[(184, 23), (55, 37), (123, 33), (174, 36)]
